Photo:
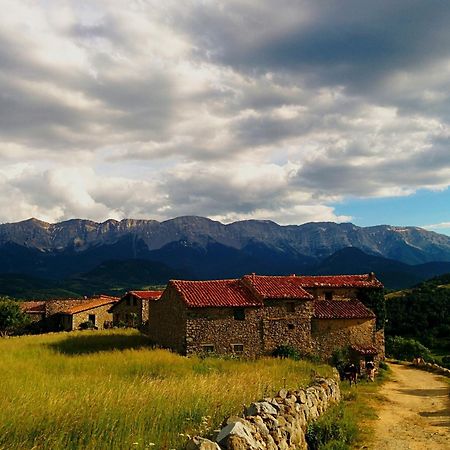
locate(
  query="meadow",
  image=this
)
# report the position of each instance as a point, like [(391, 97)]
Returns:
[(111, 390)]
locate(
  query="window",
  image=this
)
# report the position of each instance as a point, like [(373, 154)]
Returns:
[(290, 307), (239, 313), (329, 295), (237, 348), (207, 348), (134, 301), (291, 326), (92, 318)]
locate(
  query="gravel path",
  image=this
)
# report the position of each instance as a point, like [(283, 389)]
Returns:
[(416, 413)]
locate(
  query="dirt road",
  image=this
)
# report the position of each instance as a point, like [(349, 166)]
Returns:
[(416, 413)]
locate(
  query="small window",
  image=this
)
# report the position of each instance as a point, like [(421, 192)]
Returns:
[(237, 348), (239, 313), (291, 326), (290, 307), (328, 295), (134, 301), (92, 318), (207, 348)]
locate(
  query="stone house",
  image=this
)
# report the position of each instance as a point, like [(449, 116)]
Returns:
[(253, 315), (96, 311), (132, 308), (51, 315)]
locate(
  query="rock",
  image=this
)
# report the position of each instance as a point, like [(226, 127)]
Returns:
[(257, 408), (301, 396), (237, 429), (261, 426), (282, 393), (199, 443)]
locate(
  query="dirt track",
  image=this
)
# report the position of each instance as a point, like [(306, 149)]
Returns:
[(416, 413)]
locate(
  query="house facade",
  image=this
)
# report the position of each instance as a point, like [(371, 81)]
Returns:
[(253, 315), (67, 314), (96, 311), (132, 309)]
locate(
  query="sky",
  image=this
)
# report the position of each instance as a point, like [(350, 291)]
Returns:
[(291, 111)]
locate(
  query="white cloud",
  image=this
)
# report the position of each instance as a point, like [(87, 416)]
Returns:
[(230, 110)]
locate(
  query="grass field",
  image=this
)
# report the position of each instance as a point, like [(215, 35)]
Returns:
[(110, 390)]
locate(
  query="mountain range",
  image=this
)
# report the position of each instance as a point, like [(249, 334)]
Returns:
[(147, 251)]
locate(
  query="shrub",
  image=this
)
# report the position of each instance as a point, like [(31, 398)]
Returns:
[(88, 325), (446, 361), (340, 358), (406, 349), (286, 351), (383, 365), (12, 319)]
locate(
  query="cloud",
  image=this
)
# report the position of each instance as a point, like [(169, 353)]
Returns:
[(228, 109)]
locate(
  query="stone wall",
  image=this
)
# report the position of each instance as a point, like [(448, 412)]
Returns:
[(124, 312), (274, 423), (338, 293), (167, 321), (331, 334), (262, 330), (101, 316)]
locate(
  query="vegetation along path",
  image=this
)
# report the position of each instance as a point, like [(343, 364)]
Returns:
[(416, 413)]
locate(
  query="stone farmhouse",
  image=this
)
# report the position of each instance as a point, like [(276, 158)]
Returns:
[(253, 315), (68, 314), (132, 309)]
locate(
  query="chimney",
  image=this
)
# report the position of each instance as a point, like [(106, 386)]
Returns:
[(372, 276), (292, 275), (253, 276)]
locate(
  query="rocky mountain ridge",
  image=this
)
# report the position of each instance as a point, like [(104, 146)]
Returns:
[(317, 240)]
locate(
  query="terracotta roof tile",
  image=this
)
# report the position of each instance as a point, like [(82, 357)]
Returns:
[(215, 293), (33, 307), (341, 309), (277, 287), (336, 281), (146, 295), (91, 303)]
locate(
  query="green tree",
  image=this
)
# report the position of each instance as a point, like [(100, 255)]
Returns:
[(12, 318), (374, 299)]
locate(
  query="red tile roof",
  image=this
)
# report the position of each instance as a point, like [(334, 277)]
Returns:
[(365, 350), (341, 309), (33, 307), (146, 295), (91, 303), (276, 287), (337, 281), (215, 293)]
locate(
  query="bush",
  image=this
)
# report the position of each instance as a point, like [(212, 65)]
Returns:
[(88, 325), (340, 358), (286, 351), (446, 361), (383, 365), (406, 349), (12, 319)]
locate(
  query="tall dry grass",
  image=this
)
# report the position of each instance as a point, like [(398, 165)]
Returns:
[(110, 390)]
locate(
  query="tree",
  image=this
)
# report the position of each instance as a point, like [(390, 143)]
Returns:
[(11, 317), (374, 300)]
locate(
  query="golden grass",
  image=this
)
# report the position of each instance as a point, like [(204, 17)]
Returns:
[(109, 390)]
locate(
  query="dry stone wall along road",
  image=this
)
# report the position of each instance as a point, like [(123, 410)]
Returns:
[(416, 412)]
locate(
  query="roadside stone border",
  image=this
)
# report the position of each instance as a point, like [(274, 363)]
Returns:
[(431, 367), (274, 423)]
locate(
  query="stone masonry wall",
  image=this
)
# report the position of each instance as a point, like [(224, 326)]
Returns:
[(122, 312), (274, 423), (331, 334), (338, 293), (101, 316), (262, 330), (167, 321)]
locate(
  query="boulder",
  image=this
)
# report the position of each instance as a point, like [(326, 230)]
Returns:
[(199, 443), (240, 430), (257, 408)]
